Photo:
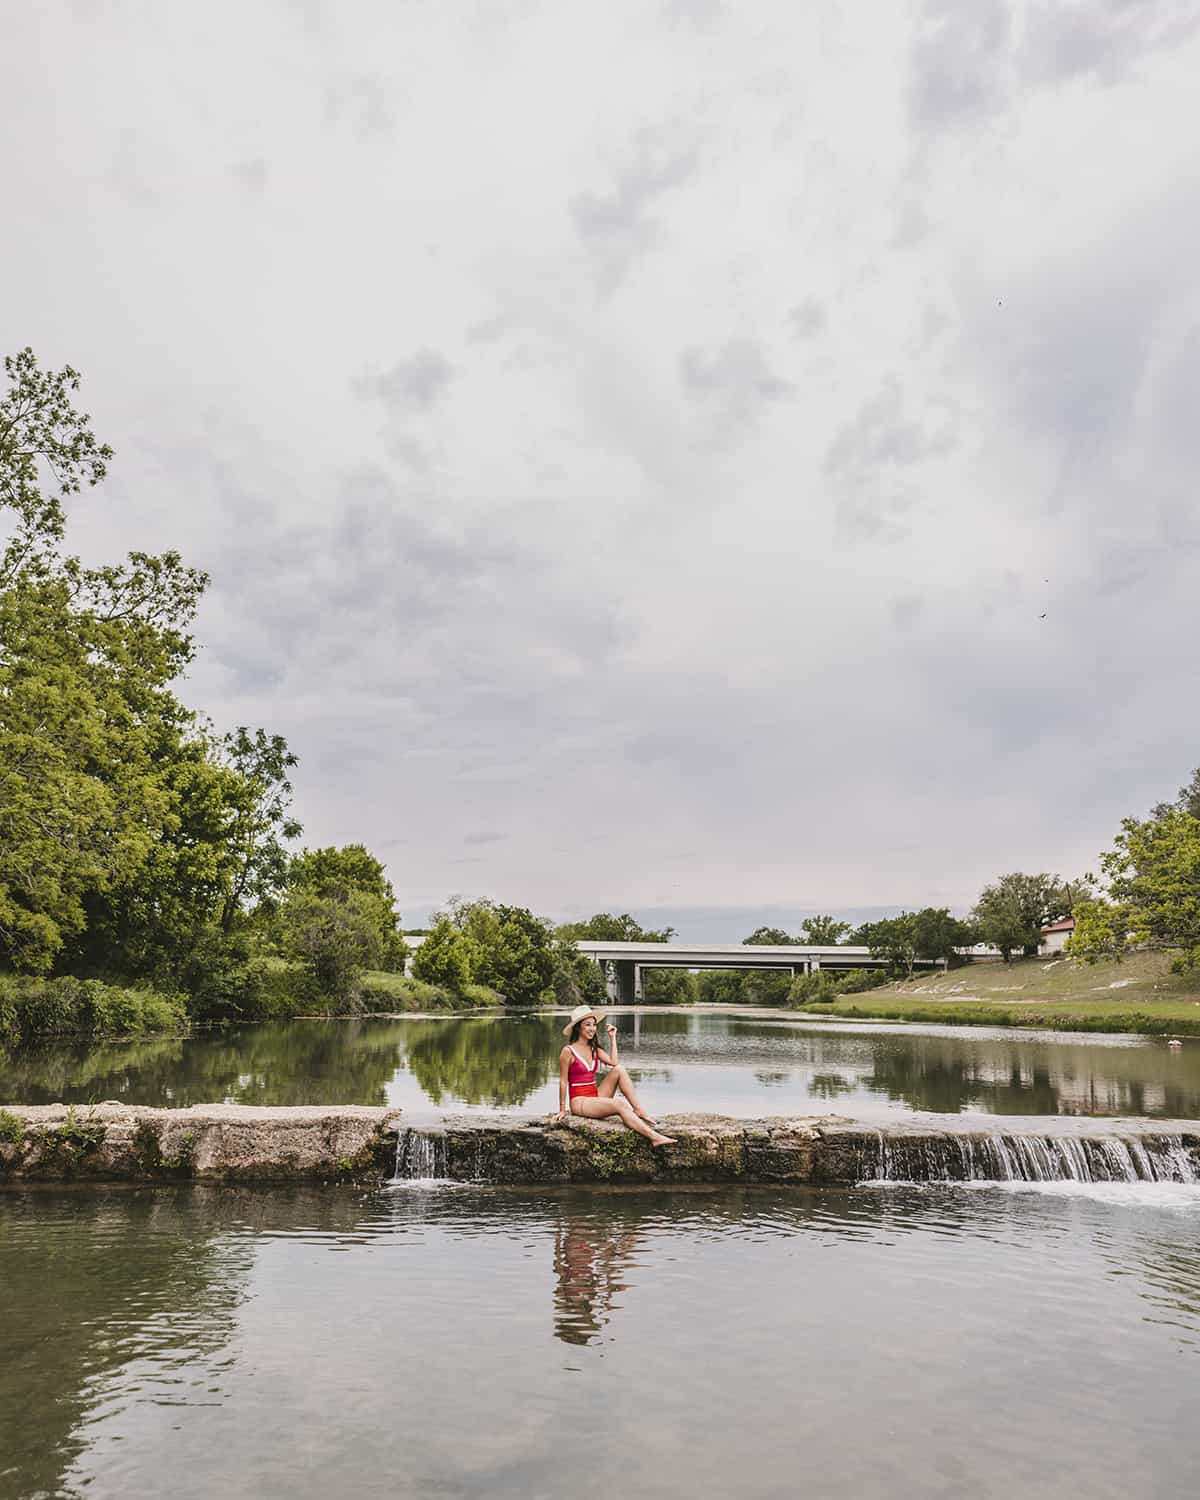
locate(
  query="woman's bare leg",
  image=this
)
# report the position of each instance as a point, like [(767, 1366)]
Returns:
[(618, 1078), (594, 1107)]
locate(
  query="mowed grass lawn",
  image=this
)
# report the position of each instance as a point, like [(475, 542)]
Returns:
[(1139, 994)]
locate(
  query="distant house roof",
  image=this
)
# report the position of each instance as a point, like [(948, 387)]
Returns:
[(1067, 924)]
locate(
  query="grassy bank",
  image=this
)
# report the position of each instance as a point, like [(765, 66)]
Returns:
[(38, 1009), (1138, 995), (271, 989), (388, 993)]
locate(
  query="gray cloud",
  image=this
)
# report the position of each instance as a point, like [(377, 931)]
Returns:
[(960, 55), (364, 106), (808, 319), (483, 836), (622, 221), (412, 384), (693, 15), (1067, 39), (517, 593), (732, 379), (882, 434)]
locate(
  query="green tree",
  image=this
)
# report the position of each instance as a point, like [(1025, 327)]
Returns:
[(577, 978), (719, 987), (939, 935), (1153, 874), (606, 928), (769, 937), (893, 939), (764, 987), (86, 659), (148, 920), (669, 987), (823, 931), (514, 950), (1101, 931), (1011, 913), (42, 437), (931, 933), (331, 870), (1188, 800), (335, 936), (260, 820), (446, 957), (126, 827)]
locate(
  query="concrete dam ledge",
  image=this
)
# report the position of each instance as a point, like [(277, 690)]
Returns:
[(115, 1142)]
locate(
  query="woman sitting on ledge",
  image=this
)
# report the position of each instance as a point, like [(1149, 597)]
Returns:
[(577, 1079)]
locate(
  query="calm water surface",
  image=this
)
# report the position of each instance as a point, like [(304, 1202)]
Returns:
[(726, 1064), (869, 1343)]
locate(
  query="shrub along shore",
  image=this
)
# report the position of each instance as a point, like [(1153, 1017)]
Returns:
[(36, 1010)]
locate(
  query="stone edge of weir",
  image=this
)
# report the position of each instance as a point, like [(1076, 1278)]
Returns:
[(216, 1143)]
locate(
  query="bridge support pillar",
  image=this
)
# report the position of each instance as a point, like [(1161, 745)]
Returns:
[(624, 981)]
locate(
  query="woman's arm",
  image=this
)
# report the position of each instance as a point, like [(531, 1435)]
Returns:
[(609, 1059), (564, 1063)]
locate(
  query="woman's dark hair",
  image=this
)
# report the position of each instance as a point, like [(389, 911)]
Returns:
[(594, 1044)]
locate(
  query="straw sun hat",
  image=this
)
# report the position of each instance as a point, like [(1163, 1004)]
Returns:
[(580, 1013)]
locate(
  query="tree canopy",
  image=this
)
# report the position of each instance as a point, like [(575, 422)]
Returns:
[(1153, 875), (931, 933), (823, 931), (606, 928), (331, 873), (1011, 912), (126, 824)]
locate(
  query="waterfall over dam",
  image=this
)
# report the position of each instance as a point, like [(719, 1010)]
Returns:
[(360, 1144), (818, 1151)]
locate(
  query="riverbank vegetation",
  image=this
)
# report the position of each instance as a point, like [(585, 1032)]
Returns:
[(1142, 994), (32, 1009)]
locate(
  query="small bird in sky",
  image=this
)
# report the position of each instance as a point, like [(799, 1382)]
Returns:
[(1041, 617)]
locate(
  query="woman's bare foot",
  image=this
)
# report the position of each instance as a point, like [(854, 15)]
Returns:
[(663, 1140)]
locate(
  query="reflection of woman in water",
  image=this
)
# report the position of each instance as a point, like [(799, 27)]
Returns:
[(590, 1259), (577, 1064)]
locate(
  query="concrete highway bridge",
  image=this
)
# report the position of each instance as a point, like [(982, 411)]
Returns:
[(623, 963)]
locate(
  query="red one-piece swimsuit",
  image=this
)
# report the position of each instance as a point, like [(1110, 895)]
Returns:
[(581, 1080)]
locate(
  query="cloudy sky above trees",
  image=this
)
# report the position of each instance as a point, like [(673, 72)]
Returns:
[(648, 455)]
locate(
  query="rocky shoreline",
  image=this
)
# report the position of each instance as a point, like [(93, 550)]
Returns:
[(114, 1142)]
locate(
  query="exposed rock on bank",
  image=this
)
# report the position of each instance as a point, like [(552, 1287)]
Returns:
[(209, 1142), (238, 1143)]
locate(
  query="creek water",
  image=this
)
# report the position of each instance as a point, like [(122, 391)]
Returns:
[(682, 1061), (1038, 1340)]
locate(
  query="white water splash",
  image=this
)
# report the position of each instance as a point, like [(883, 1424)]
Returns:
[(1002, 1157), (421, 1160)]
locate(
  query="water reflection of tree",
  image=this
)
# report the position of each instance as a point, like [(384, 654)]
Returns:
[(496, 1062), (592, 1256), (285, 1062), (1020, 1077), (831, 1085), (93, 1281)]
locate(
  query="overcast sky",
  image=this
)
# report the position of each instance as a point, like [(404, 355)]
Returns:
[(648, 455)]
